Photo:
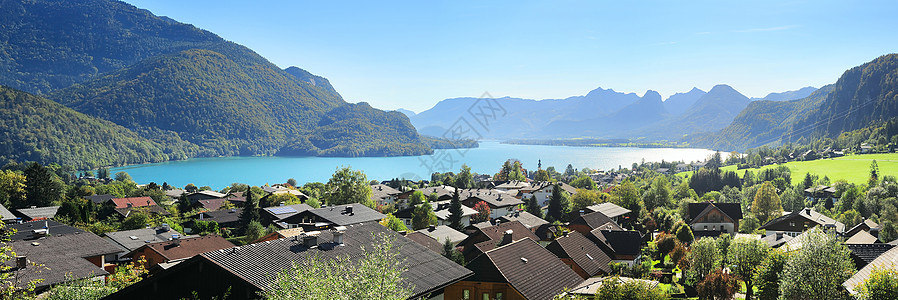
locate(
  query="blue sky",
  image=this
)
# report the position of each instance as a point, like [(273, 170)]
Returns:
[(412, 54)]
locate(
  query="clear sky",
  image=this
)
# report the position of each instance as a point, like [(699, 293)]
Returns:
[(412, 54)]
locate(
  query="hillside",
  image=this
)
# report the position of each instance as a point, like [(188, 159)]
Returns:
[(862, 96), (161, 78), (38, 129)]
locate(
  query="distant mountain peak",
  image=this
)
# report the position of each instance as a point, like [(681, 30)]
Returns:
[(652, 96)]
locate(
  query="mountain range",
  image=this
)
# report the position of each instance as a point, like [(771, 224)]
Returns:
[(175, 86)]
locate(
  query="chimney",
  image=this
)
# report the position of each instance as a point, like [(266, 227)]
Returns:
[(130, 204), (338, 235), (779, 235), (176, 239), (349, 209), (310, 239), (432, 227), (506, 238), (874, 232), (167, 228), (282, 203), (21, 262), (807, 210)]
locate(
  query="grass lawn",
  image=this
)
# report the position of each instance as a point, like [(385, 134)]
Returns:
[(852, 168)]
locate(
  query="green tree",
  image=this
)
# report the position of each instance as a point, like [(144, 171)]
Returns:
[(704, 257), (559, 205), (464, 179), (423, 216), (42, 187), (455, 212), (393, 223), (769, 273), (585, 198), (626, 195), (347, 186), (659, 195), (874, 174), (684, 233), (613, 288), (766, 205), (584, 182), (417, 197), (138, 218), (103, 173), (254, 231), (250, 212), (665, 243), (313, 202), (541, 176), (377, 275), (818, 269), (743, 257), (12, 189), (534, 208), (882, 285), (123, 176), (453, 254)]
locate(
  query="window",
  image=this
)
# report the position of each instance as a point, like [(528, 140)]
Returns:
[(466, 295), (498, 296), (706, 227), (486, 296)]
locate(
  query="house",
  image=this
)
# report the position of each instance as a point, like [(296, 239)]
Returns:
[(274, 215), (280, 191), (588, 288), (867, 225), (713, 219), (132, 202), (888, 260), (130, 240), (442, 233), (584, 256), (543, 192), (155, 209), (623, 246), (444, 193), (441, 210), (175, 194), (588, 222), (518, 270), (6, 216), (57, 253), (210, 204), (37, 213), (486, 238), (383, 194), (529, 220), (664, 171), (283, 233), (331, 216), (177, 249), (798, 221), (862, 238), (499, 202), (820, 192), (863, 254), (776, 239), (224, 218), (683, 168), (611, 210), (247, 270), (204, 195)]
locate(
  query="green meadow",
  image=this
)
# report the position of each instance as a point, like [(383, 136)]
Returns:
[(852, 168)]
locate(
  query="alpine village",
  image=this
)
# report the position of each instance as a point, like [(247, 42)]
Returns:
[(797, 198)]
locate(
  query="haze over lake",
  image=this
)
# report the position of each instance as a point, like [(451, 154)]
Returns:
[(222, 171)]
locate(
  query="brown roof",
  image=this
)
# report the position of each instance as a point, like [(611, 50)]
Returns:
[(134, 201), (188, 247), (486, 238), (529, 268), (426, 241), (583, 252), (592, 220)]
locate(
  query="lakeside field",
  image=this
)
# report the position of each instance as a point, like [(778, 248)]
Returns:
[(852, 168)]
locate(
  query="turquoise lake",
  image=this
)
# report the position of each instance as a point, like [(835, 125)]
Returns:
[(222, 171)]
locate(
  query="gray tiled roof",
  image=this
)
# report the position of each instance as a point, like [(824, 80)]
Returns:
[(441, 210), (274, 211), (529, 268), (495, 198), (609, 209), (223, 216), (60, 256), (258, 263), (426, 241), (889, 259), (529, 220), (5, 214), (443, 232), (25, 231), (340, 216), (48, 212), (133, 239), (100, 199), (863, 254), (592, 220)]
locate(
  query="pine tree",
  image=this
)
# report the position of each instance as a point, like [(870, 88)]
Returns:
[(559, 204), (41, 187), (533, 207), (450, 252), (455, 212), (250, 211)]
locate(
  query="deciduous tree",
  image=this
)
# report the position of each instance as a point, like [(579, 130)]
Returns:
[(766, 205), (744, 257), (818, 269), (347, 186), (483, 212)]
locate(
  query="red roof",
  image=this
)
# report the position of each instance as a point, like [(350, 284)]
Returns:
[(134, 201)]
